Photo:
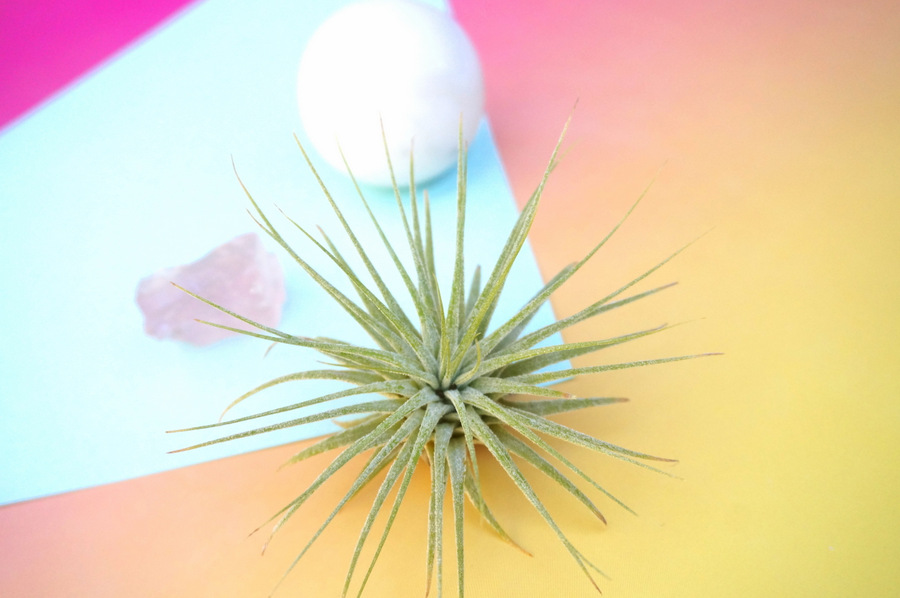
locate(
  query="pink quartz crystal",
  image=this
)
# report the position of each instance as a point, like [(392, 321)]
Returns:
[(239, 275)]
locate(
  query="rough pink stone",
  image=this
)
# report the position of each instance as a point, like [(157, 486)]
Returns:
[(239, 275)]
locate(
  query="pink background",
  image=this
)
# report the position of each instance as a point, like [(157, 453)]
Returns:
[(46, 44)]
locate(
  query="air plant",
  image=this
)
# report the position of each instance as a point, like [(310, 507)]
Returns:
[(448, 381)]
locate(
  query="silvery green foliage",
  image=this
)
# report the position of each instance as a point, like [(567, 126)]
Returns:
[(448, 381)]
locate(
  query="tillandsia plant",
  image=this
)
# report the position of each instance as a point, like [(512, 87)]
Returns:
[(448, 381)]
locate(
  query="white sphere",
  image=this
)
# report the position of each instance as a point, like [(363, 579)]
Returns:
[(400, 61)]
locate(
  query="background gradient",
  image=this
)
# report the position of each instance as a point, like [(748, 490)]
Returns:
[(773, 132)]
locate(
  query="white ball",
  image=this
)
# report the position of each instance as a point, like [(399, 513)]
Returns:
[(404, 62)]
